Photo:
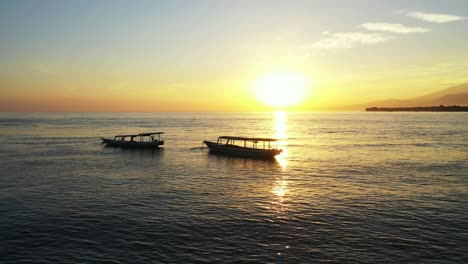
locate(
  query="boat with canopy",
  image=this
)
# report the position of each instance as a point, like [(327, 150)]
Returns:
[(150, 140), (246, 147)]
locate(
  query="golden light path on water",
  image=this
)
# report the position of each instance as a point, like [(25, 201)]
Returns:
[(281, 128), (280, 188)]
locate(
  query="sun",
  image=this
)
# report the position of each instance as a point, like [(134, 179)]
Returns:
[(281, 89)]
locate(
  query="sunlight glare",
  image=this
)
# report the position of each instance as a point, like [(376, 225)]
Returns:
[(281, 89)]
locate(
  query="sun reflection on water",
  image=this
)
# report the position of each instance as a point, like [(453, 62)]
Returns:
[(280, 192), (281, 128), (280, 189)]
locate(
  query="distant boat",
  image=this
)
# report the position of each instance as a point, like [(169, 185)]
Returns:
[(260, 148), (144, 141)]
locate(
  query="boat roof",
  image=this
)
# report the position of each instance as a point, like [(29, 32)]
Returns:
[(141, 134), (151, 133), (249, 138)]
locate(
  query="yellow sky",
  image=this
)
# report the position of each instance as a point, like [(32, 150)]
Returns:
[(206, 56)]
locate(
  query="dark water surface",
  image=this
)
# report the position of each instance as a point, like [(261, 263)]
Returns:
[(349, 188)]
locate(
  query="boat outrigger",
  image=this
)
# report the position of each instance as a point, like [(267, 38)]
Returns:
[(146, 140), (260, 148)]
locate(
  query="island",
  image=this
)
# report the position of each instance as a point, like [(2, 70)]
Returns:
[(441, 108)]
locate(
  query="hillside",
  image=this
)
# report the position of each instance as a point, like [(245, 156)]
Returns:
[(454, 95)]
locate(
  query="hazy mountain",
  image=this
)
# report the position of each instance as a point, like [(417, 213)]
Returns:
[(453, 99), (454, 95), (434, 97)]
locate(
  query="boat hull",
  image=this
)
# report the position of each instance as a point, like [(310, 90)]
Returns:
[(238, 151), (132, 144)]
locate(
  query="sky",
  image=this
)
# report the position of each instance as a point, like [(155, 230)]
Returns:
[(125, 56)]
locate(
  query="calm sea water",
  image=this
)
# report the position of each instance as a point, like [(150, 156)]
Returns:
[(349, 188)]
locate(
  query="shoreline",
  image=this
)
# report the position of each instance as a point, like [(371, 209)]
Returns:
[(454, 108)]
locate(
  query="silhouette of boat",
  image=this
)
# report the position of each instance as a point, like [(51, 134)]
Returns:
[(259, 148), (145, 141)]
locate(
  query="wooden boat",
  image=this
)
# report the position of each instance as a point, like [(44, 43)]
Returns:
[(145, 141), (260, 148)]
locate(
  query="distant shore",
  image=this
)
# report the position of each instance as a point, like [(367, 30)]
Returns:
[(441, 108)]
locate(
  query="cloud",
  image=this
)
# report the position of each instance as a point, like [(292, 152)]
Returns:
[(436, 18), (394, 28), (348, 40)]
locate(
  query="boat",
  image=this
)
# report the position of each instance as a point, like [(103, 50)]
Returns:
[(245, 147), (151, 140)]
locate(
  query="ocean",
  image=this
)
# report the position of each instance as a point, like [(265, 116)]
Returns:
[(348, 188)]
